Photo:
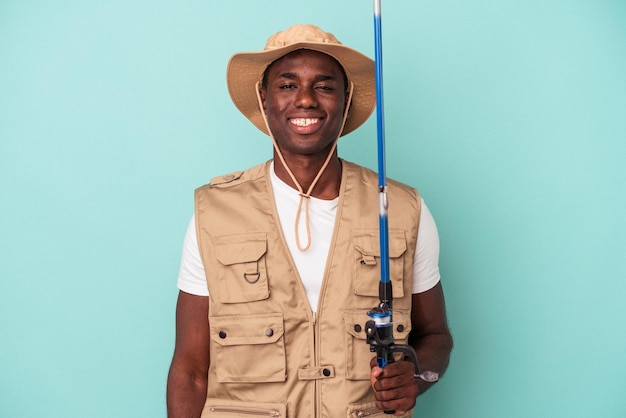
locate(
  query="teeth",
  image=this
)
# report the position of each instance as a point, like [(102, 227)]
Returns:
[(304, 121)]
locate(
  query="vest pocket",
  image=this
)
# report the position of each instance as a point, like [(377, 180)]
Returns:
[(242, 271), (248, 348), (367, 261), (227, 408), (358, 354), (368, 409)]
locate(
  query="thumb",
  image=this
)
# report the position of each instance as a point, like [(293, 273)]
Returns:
[(376, 372)]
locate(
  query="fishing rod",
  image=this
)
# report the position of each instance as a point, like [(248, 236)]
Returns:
[(379, 329)]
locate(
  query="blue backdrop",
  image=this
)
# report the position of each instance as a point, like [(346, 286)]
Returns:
[(508, 116)]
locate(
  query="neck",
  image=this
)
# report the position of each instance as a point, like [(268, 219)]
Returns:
[(305, 170)]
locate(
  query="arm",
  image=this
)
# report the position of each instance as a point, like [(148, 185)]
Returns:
[(394, 386), (430, 335), (187, 379)]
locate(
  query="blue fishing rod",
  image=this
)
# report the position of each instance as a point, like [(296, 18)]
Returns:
[(379, 329)]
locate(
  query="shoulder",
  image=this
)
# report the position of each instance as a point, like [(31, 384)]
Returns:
[(370, 178), (236, 178)]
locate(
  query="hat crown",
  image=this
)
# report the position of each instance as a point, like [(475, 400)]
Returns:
[(300, 33)]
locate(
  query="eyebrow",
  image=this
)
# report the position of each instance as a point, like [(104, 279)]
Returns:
[(320, 77)]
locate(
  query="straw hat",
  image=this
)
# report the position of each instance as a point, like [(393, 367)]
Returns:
[(246, 69)]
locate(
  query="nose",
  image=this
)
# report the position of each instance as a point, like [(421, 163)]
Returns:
[(306, 98)]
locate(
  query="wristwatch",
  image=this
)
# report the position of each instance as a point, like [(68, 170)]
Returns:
[(427, 376)]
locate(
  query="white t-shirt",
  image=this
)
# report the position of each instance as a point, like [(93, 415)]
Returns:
[(312, 263)]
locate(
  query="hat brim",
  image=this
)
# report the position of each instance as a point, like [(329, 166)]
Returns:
[(246, 69)]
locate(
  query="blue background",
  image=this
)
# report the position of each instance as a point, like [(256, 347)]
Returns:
[(509, 116)]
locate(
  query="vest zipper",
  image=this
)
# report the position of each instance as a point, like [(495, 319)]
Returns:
[(316, 406), (240, 410)]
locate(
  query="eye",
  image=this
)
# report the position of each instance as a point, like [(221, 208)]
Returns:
[(287, 86)]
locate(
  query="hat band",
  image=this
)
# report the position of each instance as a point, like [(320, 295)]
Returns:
[(284, 43)]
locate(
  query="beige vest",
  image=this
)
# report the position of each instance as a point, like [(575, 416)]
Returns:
[(270, 355)]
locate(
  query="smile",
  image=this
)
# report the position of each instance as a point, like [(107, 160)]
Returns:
[(304, 121)]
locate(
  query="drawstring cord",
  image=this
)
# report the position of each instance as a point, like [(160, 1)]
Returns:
[(303, 195)]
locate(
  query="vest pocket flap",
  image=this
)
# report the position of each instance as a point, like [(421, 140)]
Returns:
[(248, 348), (367, 257), (244, 248), (368, 243), (247, 329), (401, 324), (355, 323)]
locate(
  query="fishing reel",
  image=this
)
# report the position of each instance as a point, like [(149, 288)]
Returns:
[(379, 335)]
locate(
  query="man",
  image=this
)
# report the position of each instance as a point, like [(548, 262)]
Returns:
[(281, 261)]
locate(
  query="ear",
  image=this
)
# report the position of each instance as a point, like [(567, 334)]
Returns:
[(349, 108), (263, 96), (348, 99)]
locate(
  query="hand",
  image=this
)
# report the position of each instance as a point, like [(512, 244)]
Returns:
[(394, 387)]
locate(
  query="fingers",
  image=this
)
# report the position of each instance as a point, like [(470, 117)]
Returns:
[(395, 388)]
